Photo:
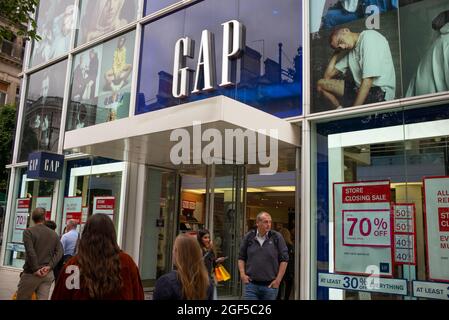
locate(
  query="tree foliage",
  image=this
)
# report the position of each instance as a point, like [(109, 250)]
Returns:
[(19, 12), (7, 130)]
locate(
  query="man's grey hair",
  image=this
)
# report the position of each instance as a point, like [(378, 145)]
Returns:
[(260, 214)]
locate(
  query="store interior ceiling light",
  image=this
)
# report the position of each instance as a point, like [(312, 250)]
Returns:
[(252, 190)]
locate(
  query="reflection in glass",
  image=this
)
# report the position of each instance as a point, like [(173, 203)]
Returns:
[(355, 53), (42, 113), (425, 42), (103, 16), (157, 226), (269, 74), (383, 151), (101, 83), (156, 5), (35, 192), (54, 25)]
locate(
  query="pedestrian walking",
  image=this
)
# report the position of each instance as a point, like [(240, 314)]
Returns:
[(209, 256), (69, 241), (190, 279), (43, 250), (100, 270), (263, 259)]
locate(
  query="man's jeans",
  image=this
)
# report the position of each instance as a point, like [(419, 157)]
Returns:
[(259, 292)]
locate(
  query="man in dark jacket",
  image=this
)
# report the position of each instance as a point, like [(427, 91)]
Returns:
[(43, 251), (263, 260)]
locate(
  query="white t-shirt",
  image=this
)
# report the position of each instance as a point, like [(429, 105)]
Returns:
[(350, 5), (371, 58), (432, 74)]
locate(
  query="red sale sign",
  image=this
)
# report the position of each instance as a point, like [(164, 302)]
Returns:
[(104, 205), (21, 219), (72, 208), (443, 219), (44, 202), (363, 194), (436, 196), (363, 228)]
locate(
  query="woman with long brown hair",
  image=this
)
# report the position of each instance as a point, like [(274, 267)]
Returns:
[(190, 279), (105, 272), (209, 256)]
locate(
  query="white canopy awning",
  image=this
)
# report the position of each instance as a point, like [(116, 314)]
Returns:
[(146, 138)]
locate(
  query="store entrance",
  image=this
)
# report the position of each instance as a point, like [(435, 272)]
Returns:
[(225, 200), (186, 201)]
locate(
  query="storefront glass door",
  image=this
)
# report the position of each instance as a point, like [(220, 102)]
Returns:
[(226, 205), (158, 225)]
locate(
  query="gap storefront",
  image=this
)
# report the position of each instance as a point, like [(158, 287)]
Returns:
[(356, 168)]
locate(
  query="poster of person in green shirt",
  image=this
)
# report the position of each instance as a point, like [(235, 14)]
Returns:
[(115, 78)]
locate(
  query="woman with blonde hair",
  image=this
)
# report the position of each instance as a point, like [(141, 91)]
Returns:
[(104, 271), (189, 280)]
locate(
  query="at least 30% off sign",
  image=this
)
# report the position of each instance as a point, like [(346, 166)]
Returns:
[(366, 228)]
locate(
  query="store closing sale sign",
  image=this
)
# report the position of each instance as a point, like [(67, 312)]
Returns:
[(436, 195), (104, 205), (73, 209), (21, 220), (44, 202), (363, 228)]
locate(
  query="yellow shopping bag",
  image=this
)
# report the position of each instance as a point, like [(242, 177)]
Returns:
[(33, 296), (221, 274)]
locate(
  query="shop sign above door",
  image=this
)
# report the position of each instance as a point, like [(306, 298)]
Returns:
[(45, 166), (205, 74)]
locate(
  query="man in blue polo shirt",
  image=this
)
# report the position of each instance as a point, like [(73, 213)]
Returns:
[(263, 260), (70, 239)]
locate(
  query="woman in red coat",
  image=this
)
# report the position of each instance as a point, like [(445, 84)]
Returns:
[(100, 270)]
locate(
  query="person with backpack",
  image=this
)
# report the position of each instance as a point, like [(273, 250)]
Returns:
[(262, 261)]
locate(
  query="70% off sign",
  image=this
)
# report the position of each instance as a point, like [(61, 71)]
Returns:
[(369, 228)]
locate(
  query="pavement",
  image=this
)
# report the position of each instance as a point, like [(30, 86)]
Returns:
[(9, 278)]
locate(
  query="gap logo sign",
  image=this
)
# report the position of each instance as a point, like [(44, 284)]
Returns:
[(45, 166)]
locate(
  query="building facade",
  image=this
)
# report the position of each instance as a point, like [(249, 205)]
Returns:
[(173, 116), (11, 59)]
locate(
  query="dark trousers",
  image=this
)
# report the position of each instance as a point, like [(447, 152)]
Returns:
[(57, 269)]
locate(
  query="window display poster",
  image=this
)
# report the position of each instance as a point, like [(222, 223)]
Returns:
[(104, 205), (54, 26), (44, 202), (104, 16), (363, 228), (21, 219), (404, 233), (101, 83), (115, 80), (424, 37), (354, 44), (436, 197), (42, 118), (73, 208)]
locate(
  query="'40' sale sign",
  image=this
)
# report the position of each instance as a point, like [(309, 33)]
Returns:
[(363, 228)]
